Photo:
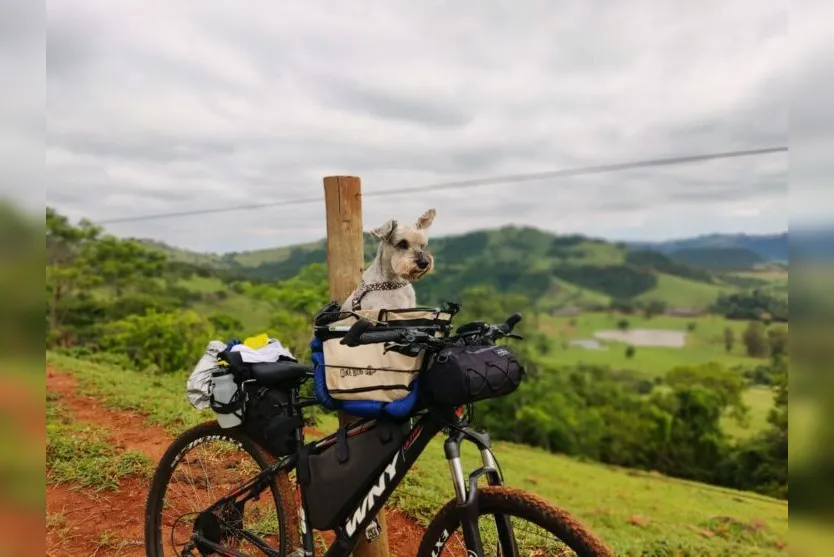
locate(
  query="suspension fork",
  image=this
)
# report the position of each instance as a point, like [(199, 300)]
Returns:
[(467, 495)]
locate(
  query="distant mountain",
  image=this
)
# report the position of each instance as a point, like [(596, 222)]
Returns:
[(717, 259), (769, 247)]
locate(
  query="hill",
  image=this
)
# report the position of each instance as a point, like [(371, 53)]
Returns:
[(553, 271), (769, 247), (737, 259)]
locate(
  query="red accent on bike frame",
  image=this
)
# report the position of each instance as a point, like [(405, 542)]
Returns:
[(459, 411), (412, 437)]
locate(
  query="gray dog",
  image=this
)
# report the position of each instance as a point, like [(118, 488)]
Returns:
[(400, 260)]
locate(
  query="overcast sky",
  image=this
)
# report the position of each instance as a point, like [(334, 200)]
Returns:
[(157, 107)]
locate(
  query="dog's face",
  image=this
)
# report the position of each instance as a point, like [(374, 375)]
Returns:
[(405, 246)]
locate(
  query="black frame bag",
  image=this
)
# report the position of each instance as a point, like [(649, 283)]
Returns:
[(459, 375), (338, 471)]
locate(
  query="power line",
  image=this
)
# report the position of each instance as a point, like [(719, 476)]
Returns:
[(512, 178)]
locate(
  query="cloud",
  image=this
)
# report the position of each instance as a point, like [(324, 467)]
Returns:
[(160, 107)]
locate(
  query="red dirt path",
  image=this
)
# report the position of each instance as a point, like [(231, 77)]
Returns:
[(86, 523)]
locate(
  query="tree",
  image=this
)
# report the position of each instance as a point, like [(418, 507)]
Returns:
[(778, 341), (630, 351), (68, 268), (727, 385), (754, 340), (729, 339), (623, 324), (761, 463), (79, 261), (654, 307)]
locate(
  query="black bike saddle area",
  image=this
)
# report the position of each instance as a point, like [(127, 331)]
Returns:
[(283, 373)]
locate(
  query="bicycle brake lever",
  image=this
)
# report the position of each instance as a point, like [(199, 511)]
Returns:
[(390, 345), (514, 335)]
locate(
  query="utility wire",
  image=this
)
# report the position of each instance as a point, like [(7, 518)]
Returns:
[(512, 178)]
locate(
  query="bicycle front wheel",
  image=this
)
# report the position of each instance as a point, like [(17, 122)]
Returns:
[(538, 528)]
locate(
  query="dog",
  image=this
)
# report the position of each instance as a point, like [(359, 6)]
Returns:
[(401, 258)]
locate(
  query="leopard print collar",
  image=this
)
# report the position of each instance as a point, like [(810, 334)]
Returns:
[(364, 288)]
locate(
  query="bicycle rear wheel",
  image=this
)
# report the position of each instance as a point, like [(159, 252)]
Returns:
[(201, 466), (549, 530)]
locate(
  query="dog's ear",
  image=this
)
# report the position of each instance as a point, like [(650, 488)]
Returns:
[(425, 220), (385, 231)]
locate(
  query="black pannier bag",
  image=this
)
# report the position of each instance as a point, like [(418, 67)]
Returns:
[(268, 420), (460, 375), (338, 471)]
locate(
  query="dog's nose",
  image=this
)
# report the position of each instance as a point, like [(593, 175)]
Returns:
[(422, 262)]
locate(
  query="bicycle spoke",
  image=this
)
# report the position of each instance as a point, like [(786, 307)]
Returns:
[(210, 470)]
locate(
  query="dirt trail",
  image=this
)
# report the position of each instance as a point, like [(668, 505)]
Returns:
[(86, 523)]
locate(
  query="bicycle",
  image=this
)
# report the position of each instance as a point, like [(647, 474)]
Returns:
[(218, 526)]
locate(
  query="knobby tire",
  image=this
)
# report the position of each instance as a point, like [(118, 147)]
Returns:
[(523, 505)]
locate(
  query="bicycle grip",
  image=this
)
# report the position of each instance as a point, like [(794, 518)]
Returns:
[(353, 335), (513, 320)]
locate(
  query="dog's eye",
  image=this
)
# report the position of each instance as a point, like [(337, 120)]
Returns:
[(402, 244)]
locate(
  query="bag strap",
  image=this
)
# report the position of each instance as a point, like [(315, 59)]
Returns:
[(228, 407), (383, 429), (283, 426), (342, 454), (302, 471)]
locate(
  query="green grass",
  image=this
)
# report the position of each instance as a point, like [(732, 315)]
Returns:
[(599, 253), (272, 255), (683, 293), (636, 513), (205, 285), (83, 455), (704, 344), (254, 315), (760, 401), (566, 294)]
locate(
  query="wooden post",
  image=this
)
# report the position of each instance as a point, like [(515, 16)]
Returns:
[(345, 263)]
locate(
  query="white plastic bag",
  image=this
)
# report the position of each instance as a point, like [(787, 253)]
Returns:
[(197, 387)]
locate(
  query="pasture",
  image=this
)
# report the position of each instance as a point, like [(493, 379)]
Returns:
[(703, 343)]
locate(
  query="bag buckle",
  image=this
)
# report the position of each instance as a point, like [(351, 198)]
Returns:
[(373, 531)]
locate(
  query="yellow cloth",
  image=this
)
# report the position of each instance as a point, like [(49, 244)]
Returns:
[(258, 341)]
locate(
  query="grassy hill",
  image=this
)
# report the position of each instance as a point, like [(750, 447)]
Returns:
[(636, 512), (553, 271)]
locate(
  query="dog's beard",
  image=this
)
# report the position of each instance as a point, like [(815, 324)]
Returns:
[(407, 269)]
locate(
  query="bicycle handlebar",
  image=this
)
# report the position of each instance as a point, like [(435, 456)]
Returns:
[(359, 334)]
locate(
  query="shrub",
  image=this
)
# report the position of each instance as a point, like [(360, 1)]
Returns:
[(168, 341)]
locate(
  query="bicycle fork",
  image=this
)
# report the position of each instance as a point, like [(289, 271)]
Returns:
[(467, 495)]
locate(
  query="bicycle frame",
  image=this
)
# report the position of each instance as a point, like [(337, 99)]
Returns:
[(369, 504)]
